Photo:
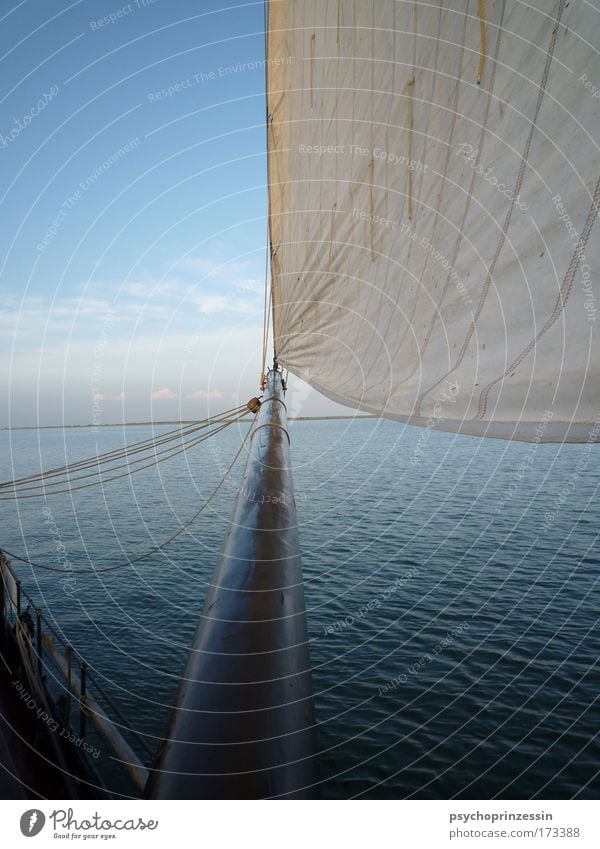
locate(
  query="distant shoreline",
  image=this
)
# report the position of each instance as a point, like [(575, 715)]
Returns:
[(176, 422)]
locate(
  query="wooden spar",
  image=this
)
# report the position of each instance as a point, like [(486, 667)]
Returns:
[(243, 722)]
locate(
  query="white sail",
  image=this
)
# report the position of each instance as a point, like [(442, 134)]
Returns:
[(433, 185)]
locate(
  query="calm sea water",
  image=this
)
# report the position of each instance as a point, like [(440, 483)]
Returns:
[(451, 585)]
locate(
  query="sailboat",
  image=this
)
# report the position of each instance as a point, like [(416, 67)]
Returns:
[(433, 199)]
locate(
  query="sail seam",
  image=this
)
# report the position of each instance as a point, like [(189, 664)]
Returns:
[(460, 237), (409, 186), (434, 74), (563, 295), (331, 235), (508, 218), (482, 36), (438, 205), (312, 69)]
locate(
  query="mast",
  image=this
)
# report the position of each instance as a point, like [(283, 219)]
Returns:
[(243, 723)]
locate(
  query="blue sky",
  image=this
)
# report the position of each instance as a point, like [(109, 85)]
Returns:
[(133, 192)]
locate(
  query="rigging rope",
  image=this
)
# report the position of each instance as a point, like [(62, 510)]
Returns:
[(103, 480), (266, 312), (117, 453), (171, 452), (47, 487), (131, 561), (268, 246)]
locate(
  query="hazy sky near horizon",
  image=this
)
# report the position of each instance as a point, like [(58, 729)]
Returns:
[(133, 192)]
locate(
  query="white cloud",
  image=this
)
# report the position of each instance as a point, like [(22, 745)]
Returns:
[(164, 394), (206, 395), (210, 305), (50, 310), (119, 397)]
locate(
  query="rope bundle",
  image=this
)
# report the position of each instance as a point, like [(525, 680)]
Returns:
[(226, 419), (98, 470)]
